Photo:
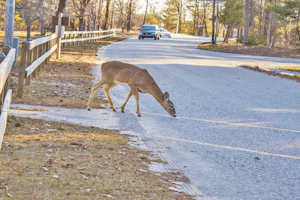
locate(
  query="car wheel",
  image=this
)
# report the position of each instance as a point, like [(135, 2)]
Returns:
[(139, 37)]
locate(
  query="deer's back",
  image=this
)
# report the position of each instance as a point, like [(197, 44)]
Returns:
[(125, 73)]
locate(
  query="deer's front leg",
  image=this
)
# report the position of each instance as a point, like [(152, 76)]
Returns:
[(106, 89), (129, 95), (93, 90)]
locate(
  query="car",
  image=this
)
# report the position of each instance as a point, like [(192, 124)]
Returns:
[(149, 31), (164, 33)]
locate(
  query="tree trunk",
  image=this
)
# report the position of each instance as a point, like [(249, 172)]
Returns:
[(266, 24), (60, 9), (252, 14), (145, 12), (204, 19), (260, 18), (238, 36), (28, 31), (81, 23), (99, 13), (129, 16), (275, 35), (246, 19), (106, 15), (271, 28), (229, 27), (112, 15)]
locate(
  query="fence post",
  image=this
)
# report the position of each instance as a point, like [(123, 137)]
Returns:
[(22, 69), (29, 61), (59, 35)]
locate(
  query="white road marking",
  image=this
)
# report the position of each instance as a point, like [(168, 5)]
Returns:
[(227, 147)]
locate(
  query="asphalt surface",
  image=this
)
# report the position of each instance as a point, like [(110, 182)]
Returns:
[(237, 132)]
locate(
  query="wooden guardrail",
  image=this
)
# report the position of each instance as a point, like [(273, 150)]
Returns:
[(5, 93), (74, 37), (36, 53)]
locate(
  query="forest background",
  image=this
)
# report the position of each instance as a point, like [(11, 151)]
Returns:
[(252, 22)]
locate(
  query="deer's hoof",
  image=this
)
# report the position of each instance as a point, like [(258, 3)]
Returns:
[(89, 109)]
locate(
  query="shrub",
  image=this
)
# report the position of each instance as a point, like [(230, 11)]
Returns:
[(255, 39)]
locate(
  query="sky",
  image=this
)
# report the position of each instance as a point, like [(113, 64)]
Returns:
[(159, 4)]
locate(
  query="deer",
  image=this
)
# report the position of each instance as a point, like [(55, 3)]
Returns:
[(138, 79)]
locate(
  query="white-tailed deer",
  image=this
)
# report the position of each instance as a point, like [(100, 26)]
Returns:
[(139, 80)]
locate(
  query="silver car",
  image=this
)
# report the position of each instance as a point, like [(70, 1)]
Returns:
[(149, 31), (164, 33)]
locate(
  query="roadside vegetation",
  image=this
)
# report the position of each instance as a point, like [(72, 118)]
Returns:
[(260, 50), (274, 73)]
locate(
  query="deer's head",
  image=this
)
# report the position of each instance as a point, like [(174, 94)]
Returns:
[(168, 105)]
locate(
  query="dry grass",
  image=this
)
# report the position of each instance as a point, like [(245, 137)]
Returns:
[(53, 160), (290, 68), (272, 72), (65, 82), (232, 47)]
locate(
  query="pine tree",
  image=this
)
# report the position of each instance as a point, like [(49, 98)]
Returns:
[(232, 15)]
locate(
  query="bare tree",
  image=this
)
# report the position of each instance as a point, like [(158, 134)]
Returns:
[(28, 10), (120, 15), (60, 9), (46, 11), (80, 7), (95, 11), (129, 15), (106, 14)]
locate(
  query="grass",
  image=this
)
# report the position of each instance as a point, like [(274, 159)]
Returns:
[(233, 47), (65, 82), (219, 46), (53, 160), (290, 68), (272, 72)]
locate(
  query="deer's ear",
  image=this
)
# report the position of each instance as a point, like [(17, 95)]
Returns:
[(166, 96)]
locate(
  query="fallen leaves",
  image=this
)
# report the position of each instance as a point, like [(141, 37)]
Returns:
[(6, 190)]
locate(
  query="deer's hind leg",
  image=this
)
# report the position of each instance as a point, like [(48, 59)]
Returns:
[(106, 89), (135, 92), (93, 90)]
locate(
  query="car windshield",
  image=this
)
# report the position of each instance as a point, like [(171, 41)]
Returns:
[(148, 28)]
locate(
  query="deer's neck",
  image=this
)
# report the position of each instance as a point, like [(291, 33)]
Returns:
[(156, 92)]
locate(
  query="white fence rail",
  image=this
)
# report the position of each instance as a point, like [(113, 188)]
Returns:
[(5, 93), (36, 53)]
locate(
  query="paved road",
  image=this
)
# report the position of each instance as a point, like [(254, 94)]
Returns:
[(237, 134)]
